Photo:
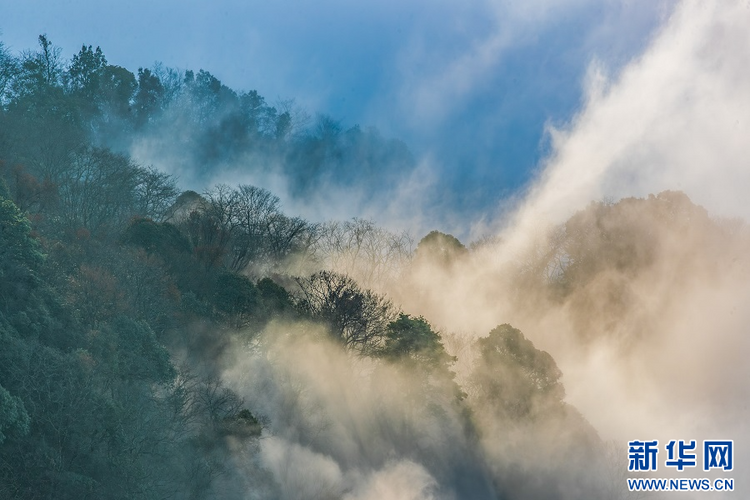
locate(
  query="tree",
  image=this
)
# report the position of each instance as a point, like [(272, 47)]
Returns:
[(43, 122), (156, 192), (287, 237), (99, 190), (4, 191), (359, 248), (19, 258), (103, 93), (29, 194), (275, 301), (41, 71), (210, 97), (440, 248), (253, 210), (139, 355), (546, 444), (162, 239), (209, 225), (96, 294), (84, 78), (237, 297), (14, 421), (413, 339), (8, 72), (117, 87), (16, 244), (167, 248), (412, 344), (148, 97), (357, 318), (515, 377), (246, 227), (598, 258)]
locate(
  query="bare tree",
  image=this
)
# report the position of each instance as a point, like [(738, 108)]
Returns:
[(253, 229), (358, 318), (156, 192), (255, 208), (359, 248), (98, 191), (8, 71)]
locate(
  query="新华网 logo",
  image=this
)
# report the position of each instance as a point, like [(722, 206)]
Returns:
[(717, 454)]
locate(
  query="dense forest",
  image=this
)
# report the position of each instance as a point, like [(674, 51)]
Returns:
[(159, 343)]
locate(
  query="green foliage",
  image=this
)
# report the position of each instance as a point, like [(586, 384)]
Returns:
[(328, 151), (170, 250), (237, 297), (14, 421), (412, 345), (163, 239), (83, 73), (65, 417), (91, 405), (8, 71), (22, 298), (4, 191), (83, 78), (15, 241), (192, 306), (116, 88), (519, 396), (41, 71), (148, 96), (413, 339), (275, 300), (28, 303), (440, 248), (140, 357)]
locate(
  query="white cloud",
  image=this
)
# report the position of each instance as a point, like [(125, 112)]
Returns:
[(676, 118)]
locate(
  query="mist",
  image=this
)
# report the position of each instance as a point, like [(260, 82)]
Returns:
[(662, 345), (657, 351), (282, 304)]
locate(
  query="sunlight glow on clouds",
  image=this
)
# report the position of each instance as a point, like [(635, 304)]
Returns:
[(677, 118)]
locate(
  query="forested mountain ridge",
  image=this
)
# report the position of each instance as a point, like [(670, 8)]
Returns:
[(165, 344), (178, 117)]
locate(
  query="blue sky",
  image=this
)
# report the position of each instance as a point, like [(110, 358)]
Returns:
[(469, 86)]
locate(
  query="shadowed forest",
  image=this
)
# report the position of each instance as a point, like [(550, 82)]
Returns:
[(157, 343)]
